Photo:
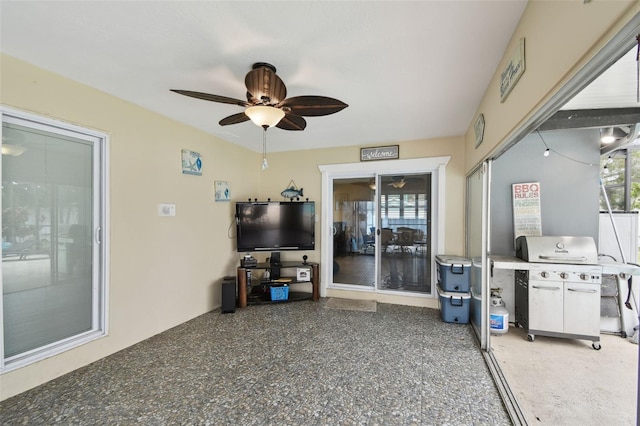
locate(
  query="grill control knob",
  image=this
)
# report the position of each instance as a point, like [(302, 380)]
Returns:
[(564, 275), (544, 274), (584, 276)]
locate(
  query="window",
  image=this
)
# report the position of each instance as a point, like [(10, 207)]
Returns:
[(53, 248), (620, 174), (405, 205)]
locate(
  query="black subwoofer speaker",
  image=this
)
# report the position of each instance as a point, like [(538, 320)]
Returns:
[(228, 295)]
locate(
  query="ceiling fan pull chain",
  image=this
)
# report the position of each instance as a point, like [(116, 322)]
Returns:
[(265, 164)]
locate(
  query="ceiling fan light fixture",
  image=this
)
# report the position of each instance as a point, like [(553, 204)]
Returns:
[(263, 115), (13, 150), (398, 184)]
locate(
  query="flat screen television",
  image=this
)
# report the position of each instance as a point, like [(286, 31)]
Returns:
[(275, 225)]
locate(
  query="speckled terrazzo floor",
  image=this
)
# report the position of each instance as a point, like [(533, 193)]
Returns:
[(282, 364)]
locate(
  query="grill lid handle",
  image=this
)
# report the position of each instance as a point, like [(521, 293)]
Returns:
[(564, 258)]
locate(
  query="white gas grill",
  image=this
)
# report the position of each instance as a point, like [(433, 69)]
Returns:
[(559, 294)]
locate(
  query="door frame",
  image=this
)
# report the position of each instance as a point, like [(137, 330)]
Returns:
[(434, 165)]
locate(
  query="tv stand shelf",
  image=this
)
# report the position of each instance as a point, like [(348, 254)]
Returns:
[(253, 290)]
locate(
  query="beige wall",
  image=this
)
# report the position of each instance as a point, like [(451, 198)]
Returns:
[(164, 270), (560, 38)]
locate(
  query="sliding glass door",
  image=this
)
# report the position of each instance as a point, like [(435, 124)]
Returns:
[(405, 232), (52, 254), (380, 231), (477, 223), (353, 228), (385, 221)]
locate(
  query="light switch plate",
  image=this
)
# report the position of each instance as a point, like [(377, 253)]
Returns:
[(166, 209)]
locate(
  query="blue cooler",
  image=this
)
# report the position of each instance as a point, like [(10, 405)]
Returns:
[(454, 307), (454, 273)]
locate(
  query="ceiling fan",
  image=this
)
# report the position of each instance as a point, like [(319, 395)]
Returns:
[(398, 182), (267, 104)]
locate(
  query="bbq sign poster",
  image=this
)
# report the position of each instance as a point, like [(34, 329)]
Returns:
[(526, 209)]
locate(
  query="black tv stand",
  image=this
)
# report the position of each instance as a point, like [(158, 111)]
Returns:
[(253, 290)]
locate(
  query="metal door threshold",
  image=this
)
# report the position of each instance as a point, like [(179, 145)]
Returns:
[(508, 397)]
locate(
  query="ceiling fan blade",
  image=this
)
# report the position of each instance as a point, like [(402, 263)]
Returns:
[(264, 85), (312, 106), (212, 98), (292, 122), (240, 117)]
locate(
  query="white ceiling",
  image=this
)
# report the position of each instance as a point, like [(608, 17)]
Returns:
[(617, 87), (408, 69)]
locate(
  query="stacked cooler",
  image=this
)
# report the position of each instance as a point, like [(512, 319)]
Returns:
[(454, 282)]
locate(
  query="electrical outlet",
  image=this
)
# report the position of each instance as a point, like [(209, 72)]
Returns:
[(166, 209)]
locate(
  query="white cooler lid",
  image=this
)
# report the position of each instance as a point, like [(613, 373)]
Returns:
[(453, 294), (448, 260)]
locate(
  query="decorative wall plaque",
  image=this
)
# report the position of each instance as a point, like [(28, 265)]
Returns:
[(222, 191), (191, 163), (478, 127), (380, 153), (526, 209), (512, 71)]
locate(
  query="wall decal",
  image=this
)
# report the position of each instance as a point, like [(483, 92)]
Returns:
[(223, 193), (191, 163)]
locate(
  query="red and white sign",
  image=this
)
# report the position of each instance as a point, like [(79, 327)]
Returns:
[(526, 209)]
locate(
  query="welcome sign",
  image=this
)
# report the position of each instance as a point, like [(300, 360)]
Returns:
[(380, 153)]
